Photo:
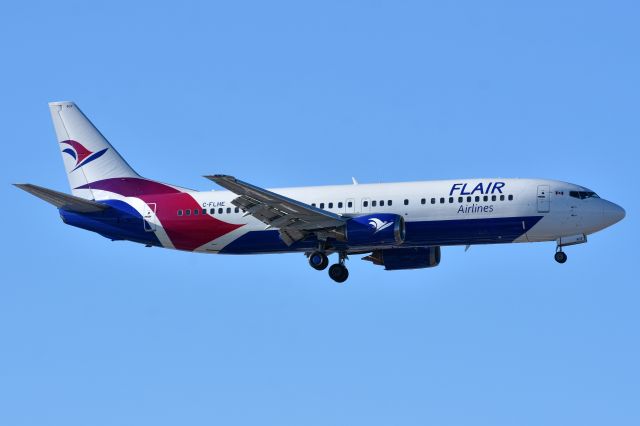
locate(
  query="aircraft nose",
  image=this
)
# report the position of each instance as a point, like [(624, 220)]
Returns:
[(613, 213)]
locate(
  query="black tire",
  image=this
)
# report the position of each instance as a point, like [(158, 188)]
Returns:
[(339, 273), (560, 257), (318, 260), (345, 276)]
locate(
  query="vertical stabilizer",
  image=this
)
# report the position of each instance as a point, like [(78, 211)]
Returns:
[(88, 157)]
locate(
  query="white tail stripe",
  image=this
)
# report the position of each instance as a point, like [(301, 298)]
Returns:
[(86, 153)]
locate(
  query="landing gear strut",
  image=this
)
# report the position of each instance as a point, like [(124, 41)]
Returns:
[(338, 272), (318, 260), (560, 256)]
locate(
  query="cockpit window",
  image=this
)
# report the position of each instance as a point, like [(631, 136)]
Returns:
[(583, 194)]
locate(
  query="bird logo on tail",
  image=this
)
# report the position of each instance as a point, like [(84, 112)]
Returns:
[(80, 154)]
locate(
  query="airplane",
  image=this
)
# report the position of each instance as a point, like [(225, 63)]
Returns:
[(395, 225)]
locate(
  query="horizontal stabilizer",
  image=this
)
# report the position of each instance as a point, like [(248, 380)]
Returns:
[(62, 200)]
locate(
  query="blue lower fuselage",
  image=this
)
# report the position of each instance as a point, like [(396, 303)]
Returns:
[(123, 222)]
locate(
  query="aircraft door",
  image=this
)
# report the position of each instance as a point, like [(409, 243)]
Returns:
[(148, 214), (544, 201), (350, 206)]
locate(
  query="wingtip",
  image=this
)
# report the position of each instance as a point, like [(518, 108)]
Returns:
[(58, 103), (218, 176)]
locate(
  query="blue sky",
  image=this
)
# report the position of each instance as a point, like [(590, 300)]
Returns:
[(291, 93)]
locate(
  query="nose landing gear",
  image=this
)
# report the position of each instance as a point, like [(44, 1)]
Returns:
[(560, 256)]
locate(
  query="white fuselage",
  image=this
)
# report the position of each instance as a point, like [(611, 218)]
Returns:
[(444, 201)]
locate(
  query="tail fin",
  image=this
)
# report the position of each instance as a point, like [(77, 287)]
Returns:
[(87, 155)]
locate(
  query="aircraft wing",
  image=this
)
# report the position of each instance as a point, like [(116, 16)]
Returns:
[(62, 200), (293, 218)]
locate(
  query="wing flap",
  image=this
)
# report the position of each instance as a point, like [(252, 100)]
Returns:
[(293, 218), (62, 200)]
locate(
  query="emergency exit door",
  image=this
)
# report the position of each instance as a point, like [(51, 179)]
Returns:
[(148, 219), (543, 199)]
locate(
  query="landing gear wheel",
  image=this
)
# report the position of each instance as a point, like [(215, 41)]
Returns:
[(338, 272), (318, 260), (560, 257)]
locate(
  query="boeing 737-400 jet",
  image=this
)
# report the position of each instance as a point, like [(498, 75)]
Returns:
[(396, 225)]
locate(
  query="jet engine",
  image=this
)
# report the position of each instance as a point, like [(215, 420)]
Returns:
[(374, 229)]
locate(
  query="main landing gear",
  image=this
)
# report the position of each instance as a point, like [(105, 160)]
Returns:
[(337, 272), (318, 260)]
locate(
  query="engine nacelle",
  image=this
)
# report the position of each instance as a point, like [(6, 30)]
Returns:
[(406, 258), (374, 229)]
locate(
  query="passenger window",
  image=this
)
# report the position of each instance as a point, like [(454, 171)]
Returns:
[(450, 199), (220, 210), (187, 212), (373, 203), (237, 210), (365, 203), (485, 198), (381, 203), (502, 198), (196, 212), (389, 203), (433, 201), (322, 205), (212, 211), (350, 204), (469, 199), (330, 205), (493, 198), (460, 199), (228, 209), (313, 204), (510, 197), (423, 201), (204, 211), (441, 200), (477, 198), (179, 212), (406, 202), (340, 205)]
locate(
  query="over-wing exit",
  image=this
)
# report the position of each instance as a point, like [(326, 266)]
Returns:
[(395, 225)]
